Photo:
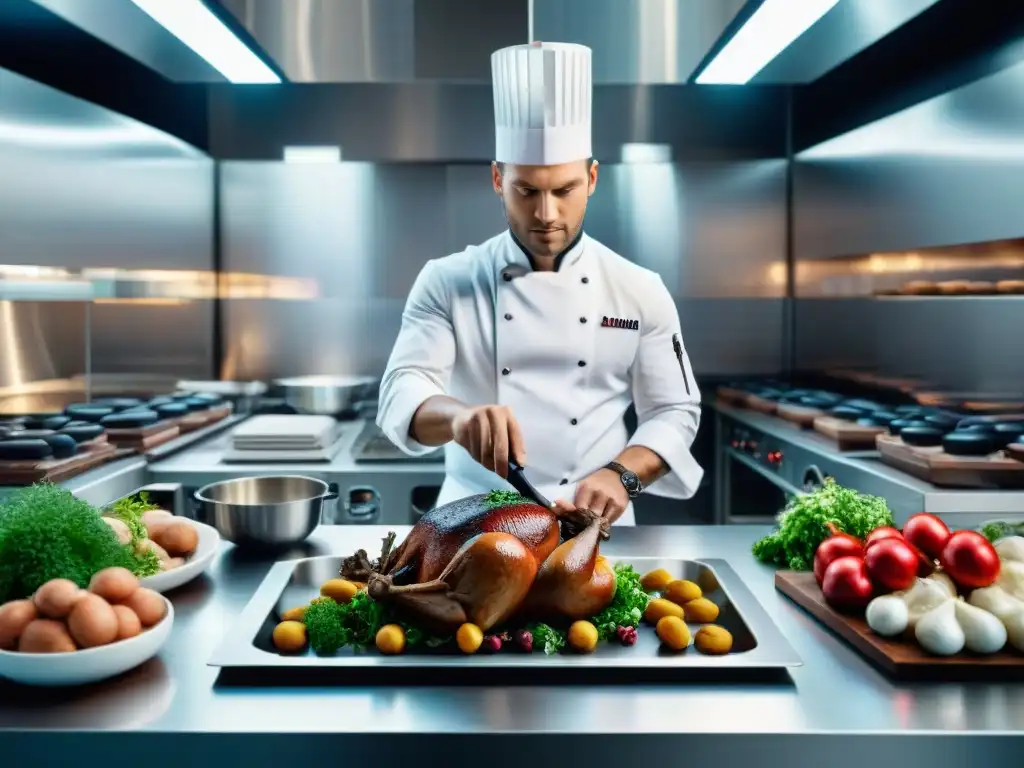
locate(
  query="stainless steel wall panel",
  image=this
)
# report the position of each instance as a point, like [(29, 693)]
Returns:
[(715, 232)]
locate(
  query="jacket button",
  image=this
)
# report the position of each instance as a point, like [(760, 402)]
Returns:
[(508, 316), (573, 422), (564, 481), (505, 371), (507, 277), (583, 319), (585, 280), (581, 363)]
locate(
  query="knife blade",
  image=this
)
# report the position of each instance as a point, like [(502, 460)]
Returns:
[(517, 479)]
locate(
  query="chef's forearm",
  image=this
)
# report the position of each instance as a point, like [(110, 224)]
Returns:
[(432, 422), (648, 465)]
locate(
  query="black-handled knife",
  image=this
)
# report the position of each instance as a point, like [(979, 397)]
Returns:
[(517, 479)]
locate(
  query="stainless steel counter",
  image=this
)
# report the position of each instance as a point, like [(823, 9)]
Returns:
[(835, 710), (394, 481)]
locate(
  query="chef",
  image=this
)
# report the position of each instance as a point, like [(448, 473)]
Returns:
[(532, 345)]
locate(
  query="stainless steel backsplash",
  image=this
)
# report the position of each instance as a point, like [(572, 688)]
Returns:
[(945, 172), (362, 231)]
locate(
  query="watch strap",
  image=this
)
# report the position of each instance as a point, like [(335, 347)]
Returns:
[(616, 467)]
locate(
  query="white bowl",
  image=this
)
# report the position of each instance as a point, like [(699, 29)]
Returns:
[(90, 664), (197, 563)]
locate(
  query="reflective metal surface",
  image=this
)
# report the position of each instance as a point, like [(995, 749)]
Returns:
[(846, 30), (264, 511), (652, 41), (715, 233), (947, 171), (835, 703), (383, 40), (757, 643), (327, 395), (121, 24)]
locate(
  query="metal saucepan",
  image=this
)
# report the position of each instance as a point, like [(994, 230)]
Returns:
[(326, 395), (275, 510)]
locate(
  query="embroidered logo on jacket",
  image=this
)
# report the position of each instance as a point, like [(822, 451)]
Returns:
[(619, 322)]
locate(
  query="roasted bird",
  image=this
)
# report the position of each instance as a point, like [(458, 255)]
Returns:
[(486, 558)]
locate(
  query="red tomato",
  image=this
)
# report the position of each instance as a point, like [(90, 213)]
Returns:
[(970, 559), (892, 564), (926, 532)]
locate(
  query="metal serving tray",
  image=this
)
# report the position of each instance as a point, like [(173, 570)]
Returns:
[(247, 652)]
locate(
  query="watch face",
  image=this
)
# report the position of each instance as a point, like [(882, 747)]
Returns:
[(630, 480)]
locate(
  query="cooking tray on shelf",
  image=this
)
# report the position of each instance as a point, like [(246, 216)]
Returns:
[(760, 651)]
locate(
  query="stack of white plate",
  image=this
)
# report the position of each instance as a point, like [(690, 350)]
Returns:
[(282, 437)]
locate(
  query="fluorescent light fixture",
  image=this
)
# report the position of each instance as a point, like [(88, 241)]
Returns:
[(772, 28), (199, 28), (312, 154), (646, 153)]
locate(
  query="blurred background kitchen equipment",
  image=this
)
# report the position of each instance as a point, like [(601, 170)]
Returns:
[(326, 395)]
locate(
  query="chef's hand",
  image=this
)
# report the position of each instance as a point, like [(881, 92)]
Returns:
[(491, 435), (602, 493)]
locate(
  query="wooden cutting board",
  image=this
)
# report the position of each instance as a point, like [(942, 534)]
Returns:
[(89, 456), (996, 471), (144, 438), (847, 435), (1015, 451), (799, 414), (897, 657)]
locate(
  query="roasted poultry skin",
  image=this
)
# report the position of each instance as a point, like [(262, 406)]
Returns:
[(484, 561)]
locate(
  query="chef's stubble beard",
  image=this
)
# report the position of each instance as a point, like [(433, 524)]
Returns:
[(524, 240)]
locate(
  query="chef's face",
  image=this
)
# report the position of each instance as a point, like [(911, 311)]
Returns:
[(545, 204)]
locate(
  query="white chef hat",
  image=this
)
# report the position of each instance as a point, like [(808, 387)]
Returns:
[(542, 103)]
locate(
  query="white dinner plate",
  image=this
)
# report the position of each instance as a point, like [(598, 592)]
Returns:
[(206, 550), (90, 664)]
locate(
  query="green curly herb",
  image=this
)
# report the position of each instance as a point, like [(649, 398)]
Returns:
[(504, 499)]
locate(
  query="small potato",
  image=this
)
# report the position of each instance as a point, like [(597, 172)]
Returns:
[(148, 606), (46, 636), (148, 544), (713, 640), (656, 580), (92, 622), (673, 632), (295, 614), (469, 637), (156, 517), (290, 636), (701, 611), (681, 592), (124, 535), (582, 636), (56, 598), (339, 590), (178, 538), (14, 617), (128, 624), (172, 563), (660, 607), (113, 584), (390, 639)]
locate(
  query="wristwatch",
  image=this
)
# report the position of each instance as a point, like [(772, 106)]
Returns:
[(629, 478)]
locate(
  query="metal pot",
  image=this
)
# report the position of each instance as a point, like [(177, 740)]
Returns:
[(326, 395), (275, 510)]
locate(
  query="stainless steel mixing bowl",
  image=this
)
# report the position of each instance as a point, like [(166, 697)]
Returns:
[(274, 510)]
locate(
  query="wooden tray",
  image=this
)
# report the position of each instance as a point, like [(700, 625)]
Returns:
[(147, 439), (847, 435), (939, 468), (762, 405), (798, 414), (200, 419), (1015, 451), (89, 456), (898, 658), (732, 396)]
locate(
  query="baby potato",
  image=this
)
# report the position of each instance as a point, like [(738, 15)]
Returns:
[(656, 580), (289, 636), (113, 584), (390, 639), (295, 614), (713, 640), (682, 591), (14, 617), (179, 538), (156, 517), (582, 636), (469, 638), (660, 607), (92, 622), (128, 624), (56, 598), (148, 606), (701, 611), (46, 636), (124, 535), (339, 590), (148, 544), (172, 563), (673, 632)]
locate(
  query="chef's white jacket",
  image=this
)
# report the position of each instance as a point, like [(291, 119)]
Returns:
[(567, 351)]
